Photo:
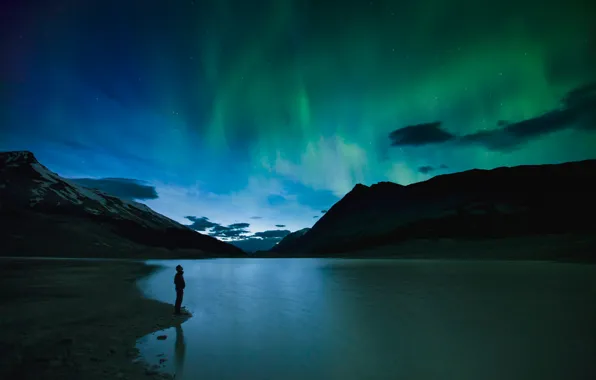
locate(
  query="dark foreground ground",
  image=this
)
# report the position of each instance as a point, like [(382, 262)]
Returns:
[(76, 320)]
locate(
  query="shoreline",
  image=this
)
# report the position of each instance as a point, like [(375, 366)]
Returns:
[(558, 248), (76, 319)]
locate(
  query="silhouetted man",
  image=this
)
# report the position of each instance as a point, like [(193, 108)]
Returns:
[(180, 285)]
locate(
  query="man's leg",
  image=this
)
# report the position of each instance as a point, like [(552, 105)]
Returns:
[(179, 296)]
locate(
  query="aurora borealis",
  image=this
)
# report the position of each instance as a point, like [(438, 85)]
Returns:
[(267, 112)]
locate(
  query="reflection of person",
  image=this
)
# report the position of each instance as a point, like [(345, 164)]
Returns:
[(180, 350), (180, 285)]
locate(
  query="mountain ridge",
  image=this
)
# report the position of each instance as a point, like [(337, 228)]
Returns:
[(30, 193), (474, 204), (289, 239)]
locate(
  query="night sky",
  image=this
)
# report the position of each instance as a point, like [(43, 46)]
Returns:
[(256, 116)]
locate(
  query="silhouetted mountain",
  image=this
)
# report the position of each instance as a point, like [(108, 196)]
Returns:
[(289, 240), (475, 204), (251, 245), (43, 214)]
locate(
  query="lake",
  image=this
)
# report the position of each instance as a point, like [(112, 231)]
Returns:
[(378, 319)]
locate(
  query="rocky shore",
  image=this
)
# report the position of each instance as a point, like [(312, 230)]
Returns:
[(71, 319)]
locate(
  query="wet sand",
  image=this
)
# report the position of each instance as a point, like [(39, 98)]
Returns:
[(76, 320)]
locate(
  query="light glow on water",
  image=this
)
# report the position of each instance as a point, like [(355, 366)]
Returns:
[(378, 319)]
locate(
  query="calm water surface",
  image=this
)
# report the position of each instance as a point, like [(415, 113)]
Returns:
[(378, 319)]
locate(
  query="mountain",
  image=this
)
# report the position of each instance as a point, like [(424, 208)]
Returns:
[(477, 204), (43, 214), (251, 245), (289, 240)]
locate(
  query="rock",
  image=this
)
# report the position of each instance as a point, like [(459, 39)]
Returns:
[(162, 337), (162, 361), (150, 372), (55, 363), (113, 350), (119, 375)]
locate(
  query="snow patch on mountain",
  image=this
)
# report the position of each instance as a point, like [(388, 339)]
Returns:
[(93, 194), (49, 189), (37, 196)]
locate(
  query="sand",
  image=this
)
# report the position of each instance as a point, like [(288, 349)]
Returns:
[(76, 320)]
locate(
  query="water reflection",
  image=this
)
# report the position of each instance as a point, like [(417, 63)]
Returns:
[(180, 352), (345, 319)]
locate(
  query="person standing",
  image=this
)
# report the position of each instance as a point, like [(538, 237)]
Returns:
[(180, 285)]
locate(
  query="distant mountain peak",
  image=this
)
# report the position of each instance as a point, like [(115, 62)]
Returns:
[(386, 185), (289, 239), (30, 191), (474, 204), (358, 190), (376, 186), (359, 186)]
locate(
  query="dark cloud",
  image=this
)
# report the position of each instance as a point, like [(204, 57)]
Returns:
[(235, 230), (583, 96), (443, 166), (229, 233), (426, 169), (316, 217), (225, 232), (218, 228), (324, 211), (577, 111), (124, 188), (272, 234), (201, 223), (238, 225), (280, 225), (420, 134), (256, 217), (513, 135), (232, 231), (260, 241)]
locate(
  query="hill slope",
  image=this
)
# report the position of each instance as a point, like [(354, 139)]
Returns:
[(43, 214), (475, 204), (289, 240)]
